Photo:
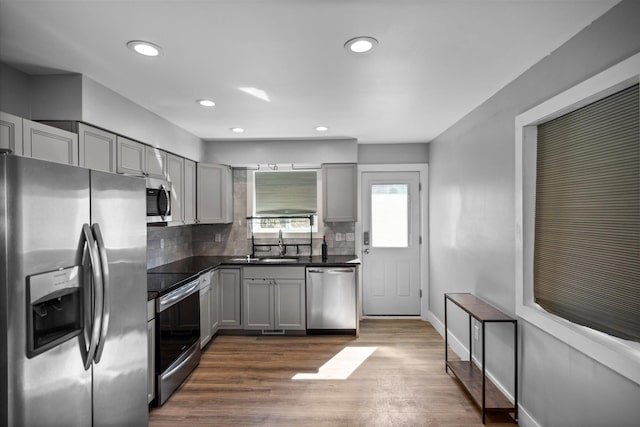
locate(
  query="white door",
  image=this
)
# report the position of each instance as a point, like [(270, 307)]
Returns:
[(391, 243)]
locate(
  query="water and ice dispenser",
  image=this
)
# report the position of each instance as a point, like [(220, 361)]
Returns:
[(54, 309)]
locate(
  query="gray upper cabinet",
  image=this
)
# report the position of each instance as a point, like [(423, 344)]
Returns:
[(131, 157), (339, 192), (135, 158), (97, 148), (175, 175), (215, 194), (189, 192), (11, 132), (156, 163), (48, 143)]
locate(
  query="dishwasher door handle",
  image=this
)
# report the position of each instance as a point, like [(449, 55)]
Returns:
[(331, 271)]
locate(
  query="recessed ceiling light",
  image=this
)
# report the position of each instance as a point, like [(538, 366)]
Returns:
[(360, 44), (237, 130), (144, 48), (206, 102), (322, 128)]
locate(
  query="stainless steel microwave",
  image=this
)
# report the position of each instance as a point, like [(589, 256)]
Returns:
[(158, 200)]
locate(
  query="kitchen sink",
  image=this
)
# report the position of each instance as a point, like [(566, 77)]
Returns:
[(270, 260), (278, 259), (245, 259)]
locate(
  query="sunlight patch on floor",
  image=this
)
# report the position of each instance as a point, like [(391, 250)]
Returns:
[(340, 366)]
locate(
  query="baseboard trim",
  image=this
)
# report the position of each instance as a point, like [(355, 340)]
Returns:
[(393, 317)]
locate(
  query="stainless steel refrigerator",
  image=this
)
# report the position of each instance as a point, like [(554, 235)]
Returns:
[(73, 350)]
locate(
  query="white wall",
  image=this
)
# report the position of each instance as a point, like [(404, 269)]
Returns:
[(243, 153), (369, 154), (472, 232)]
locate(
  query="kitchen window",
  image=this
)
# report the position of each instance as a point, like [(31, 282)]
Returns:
[(578, 217), (284, 193)]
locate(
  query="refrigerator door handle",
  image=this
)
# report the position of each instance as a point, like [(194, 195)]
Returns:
[(97, 294), (106, 310)]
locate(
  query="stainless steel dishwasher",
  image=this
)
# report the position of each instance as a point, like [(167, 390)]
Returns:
[(331, 298)]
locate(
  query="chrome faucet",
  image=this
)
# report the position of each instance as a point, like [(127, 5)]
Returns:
[(282, 249)]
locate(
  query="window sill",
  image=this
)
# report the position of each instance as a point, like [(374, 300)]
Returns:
[(620, 355)]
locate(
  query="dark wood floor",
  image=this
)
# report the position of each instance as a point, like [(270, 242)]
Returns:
[(245, 381)]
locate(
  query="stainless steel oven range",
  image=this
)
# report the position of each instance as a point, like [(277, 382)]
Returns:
[(177, 337)]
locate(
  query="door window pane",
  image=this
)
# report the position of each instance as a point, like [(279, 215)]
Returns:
[(390, 215)]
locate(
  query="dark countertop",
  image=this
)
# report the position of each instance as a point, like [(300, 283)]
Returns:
[(161, 283), (162, 279)]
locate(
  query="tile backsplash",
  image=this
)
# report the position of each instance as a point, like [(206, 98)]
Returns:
[(168, 244)]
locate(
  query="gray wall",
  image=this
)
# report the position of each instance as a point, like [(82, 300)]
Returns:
[(14, 92), (56, 97), (369, 154), (303, 152), (77, 97), (105, 108), (472, 231)]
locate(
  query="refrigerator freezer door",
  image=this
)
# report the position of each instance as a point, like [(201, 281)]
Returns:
[(43, 206), (118, 209)]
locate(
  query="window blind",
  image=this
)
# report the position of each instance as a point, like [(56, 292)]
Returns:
[(286, 193), (587, 218)]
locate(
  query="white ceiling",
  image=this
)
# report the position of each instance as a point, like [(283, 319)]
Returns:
[(435, 62)]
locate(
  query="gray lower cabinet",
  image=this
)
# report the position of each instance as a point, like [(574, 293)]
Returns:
[(215, 301), (339, 192), (230, 298), (151, 350), (11, 133), (289, 304), (97, 148), (205, 309), (274, 298), (258, 303), (48, 143)]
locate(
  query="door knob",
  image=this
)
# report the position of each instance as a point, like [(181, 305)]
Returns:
[(366, 251)]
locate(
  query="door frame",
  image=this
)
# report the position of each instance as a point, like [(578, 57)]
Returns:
[(423, 171)]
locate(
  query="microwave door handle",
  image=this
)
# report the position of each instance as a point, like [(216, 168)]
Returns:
[(97, 294), (106, 286), (166, 195)]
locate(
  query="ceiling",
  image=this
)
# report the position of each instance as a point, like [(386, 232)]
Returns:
[(435, 61)]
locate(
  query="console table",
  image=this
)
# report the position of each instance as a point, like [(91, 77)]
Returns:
[(483, 391)]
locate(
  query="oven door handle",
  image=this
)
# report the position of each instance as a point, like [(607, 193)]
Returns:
[(174, 297)]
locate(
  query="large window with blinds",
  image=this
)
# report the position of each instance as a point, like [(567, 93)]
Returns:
[(279, 196), (586, 265), (577, 217)]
